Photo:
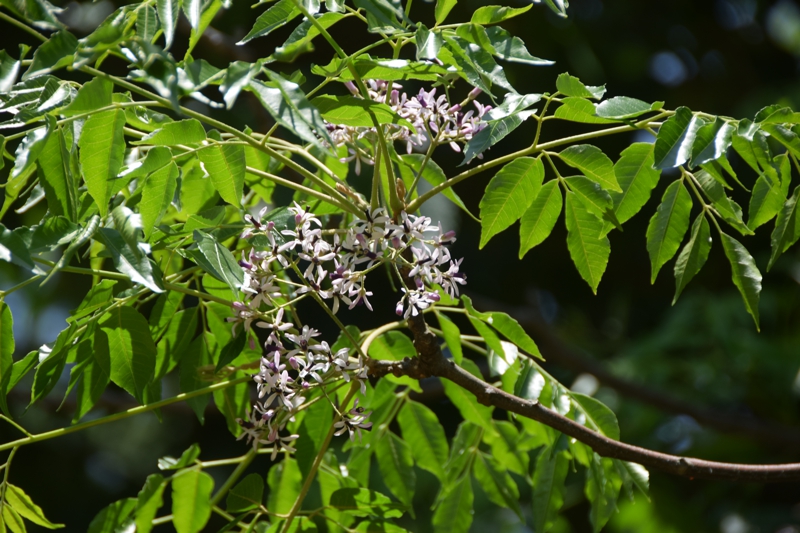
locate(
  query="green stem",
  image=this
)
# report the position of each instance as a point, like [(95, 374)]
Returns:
[(124, 414), (19, 286), (317, 461), (311, 192), (413, 206), (22, 429), (235, 475), (22, 26)]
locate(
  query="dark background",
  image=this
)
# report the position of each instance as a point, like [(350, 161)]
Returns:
[(728, 57)]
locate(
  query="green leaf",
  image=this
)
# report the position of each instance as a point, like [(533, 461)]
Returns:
[(397, 466), (428, 43), (593, 164), (57, 178), (133, 353), (478, 65), (693, 256), (433, 174), (787, 227), (226, 165), (511, 330), (53, 54), (576, 109), (159, 189), (676, 138), (493, 133), (6, 351), (102, 148), (187, 458), (454, 512), (587, 247), (465, 402), (284, 486), (93, 368), (14, 250), (636, 177), (273, 18), (711, 141), (498, 485), (602, 489), (637, 473), (746, 276), (149, 502), (382, 69), (191, 8), (352, 111), (392, 346), (420, 426), (189, 131), (452, 336), (22, 504), (113, 518), (785, 136), (598, 416), (596, 199), (129, 260), (233, 403), (540, 218), (572, 86), (667, 226), (443, 8), (623, 108), (493, 14), (291, 109), (9, 69), (217, 260), (94, 94), (197, 356), (548, 488), (27, 153), (146, 24), (511, 48), (727, 208), (299, 40), (508, 195), (168, 13), (364, 502), (766, 201), (246, 495), (191, 495), (49, 370)]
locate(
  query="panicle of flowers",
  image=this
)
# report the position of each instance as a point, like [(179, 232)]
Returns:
[(334, 266), (433, 118)]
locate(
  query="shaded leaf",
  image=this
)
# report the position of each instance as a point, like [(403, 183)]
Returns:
[(667, 226), (787, 227), (454, 512), (397, 466), (746, 276), (693, 256), (421, 427), (246, 495), (548, 488), (149, 501), (598, 415), (132, 351)]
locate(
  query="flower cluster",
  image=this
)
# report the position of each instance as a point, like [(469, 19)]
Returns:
[(434, 120), (287, 264)]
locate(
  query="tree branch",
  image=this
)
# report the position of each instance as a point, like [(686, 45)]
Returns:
[(555, 350), (431, 362)]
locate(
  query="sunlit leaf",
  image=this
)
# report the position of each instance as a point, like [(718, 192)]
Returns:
[(598, 416), (572, 86), (624, 107), (102, 148), (486, 15), (508, 195), (191, 506), (593, 164), (133, 353), (787, 227), (540, 218), (587, 247), (225, 164), (149, 501), (675, 139)]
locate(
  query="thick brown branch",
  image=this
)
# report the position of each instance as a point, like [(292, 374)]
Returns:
[(431, 362)]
